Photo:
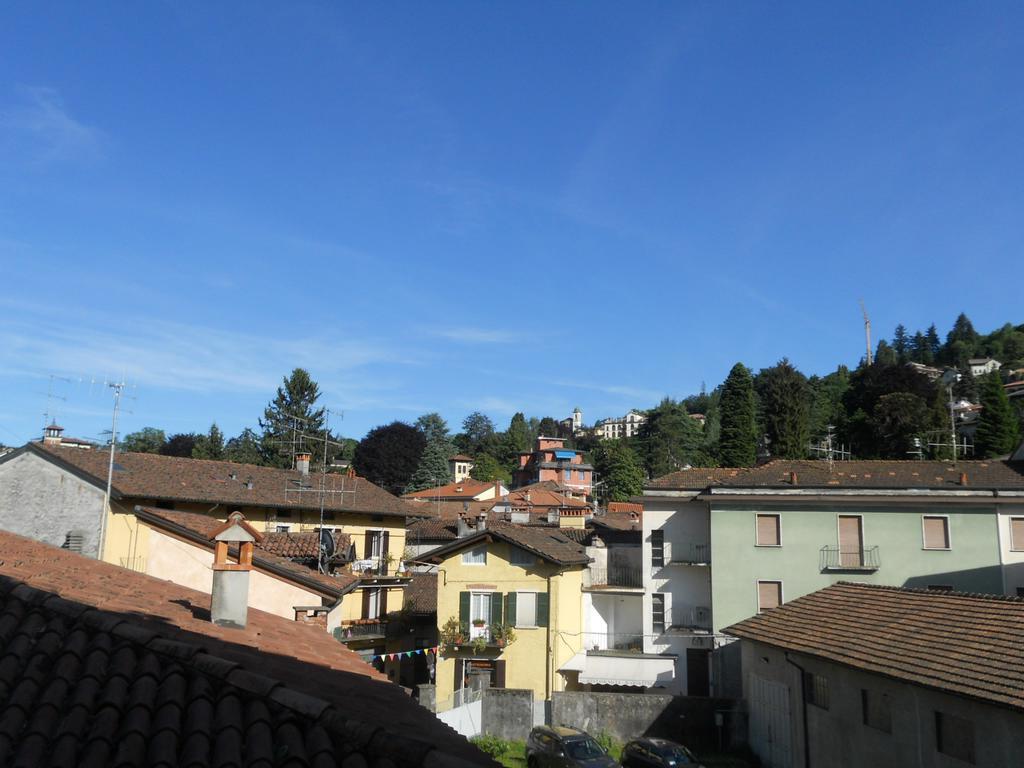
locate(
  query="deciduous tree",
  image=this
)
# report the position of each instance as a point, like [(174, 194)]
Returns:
[(389, 454), (146, 440)]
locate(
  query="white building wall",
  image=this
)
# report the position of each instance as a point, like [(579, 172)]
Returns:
[(684, 521)]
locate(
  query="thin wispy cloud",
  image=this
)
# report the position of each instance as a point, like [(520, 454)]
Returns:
[(40, 129), (466, 335), (181, 357), (637, 393)]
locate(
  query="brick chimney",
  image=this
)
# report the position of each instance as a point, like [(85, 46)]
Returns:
[(229, 604), (302, 463)]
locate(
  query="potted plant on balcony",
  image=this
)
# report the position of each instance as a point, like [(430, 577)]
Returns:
[(503, 634), (453, 634), (479, 644), (478, 623)]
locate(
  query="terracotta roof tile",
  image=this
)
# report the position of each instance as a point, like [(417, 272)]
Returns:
[(547, 541), (987, 474), (421, 594), (695, 478), (170, 478), (135, 674), (967, 644), (466, 489)]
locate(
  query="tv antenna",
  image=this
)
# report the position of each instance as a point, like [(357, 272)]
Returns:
[(118, 387), (50, 413), (826, 448)]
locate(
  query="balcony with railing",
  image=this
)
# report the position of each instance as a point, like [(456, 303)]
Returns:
[(687, 553), (849, 558), (615, 577), (691, 621), (378, 568), (356, 630)]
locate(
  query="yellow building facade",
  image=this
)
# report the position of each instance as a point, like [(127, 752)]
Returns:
[(502, 578)]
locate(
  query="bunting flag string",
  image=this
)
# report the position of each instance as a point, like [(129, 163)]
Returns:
[(406, 654)]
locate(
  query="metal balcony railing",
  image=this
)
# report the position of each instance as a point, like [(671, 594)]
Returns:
[(693, 620), (361, 629), (687, 553), (846, 558), (615, 576)]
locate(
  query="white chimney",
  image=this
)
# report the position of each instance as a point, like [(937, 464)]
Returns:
[(302, 463), (229, 603)]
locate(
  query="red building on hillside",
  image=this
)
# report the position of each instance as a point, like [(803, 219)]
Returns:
[(552, 461)]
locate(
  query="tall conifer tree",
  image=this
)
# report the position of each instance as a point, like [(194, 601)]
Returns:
[(998, 430), (737, 442)]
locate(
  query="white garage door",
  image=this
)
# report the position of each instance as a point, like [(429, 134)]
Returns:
[(770, 722)]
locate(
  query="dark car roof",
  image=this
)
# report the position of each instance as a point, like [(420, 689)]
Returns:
[(559, 730), (655, 742)]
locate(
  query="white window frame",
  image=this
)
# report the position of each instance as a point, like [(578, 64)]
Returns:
[(949, 535), (485, 600), (472, 550), (519, 602), (776, 515)]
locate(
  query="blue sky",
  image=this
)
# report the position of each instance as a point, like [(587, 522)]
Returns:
[(494, 206)]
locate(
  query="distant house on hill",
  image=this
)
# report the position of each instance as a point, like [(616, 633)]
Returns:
[(982, 365)]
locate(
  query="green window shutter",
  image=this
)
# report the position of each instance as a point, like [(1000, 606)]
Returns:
[(495, 607), (464, 608), (510, 609), (542, 609)]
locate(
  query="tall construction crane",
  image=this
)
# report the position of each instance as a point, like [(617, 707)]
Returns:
[(867, 329)]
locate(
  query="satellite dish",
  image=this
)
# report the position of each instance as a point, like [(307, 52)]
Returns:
[(326, 542)]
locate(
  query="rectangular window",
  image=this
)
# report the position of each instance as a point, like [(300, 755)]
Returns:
[(657, 548), (769, 595), (954, 736), (526, 609), (816, 689), (475, 556), (283, 528), (521, 557), (936, 532), (768, 531), (876, 710), (851, 541), (658, 612), (480, 608), (1017, 534)]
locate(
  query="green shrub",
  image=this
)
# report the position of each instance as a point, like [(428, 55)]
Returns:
[(493, 746)]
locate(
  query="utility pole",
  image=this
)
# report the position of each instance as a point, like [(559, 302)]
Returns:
[(117, 387), (867, 329)]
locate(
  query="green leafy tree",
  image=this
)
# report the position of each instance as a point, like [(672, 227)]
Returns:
[(671, 440), (389, 455), (488, 469), (146, 440), (868, 384), (885, 355), (619, 471), (898, 419), (827, 401), (291, 420), (244, 449), (548, 427), (785, 398), (180, 445), (518, 435), (998, 431), (434, 428), (478, 429), (210, 445), (901, 343), (432, 469), (737, 442)]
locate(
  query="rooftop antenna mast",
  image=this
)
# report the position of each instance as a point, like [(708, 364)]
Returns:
[(118, 387), (867, 329), (50, 397)]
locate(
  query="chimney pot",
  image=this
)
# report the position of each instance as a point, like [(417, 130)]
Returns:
[(963, 478), (302, 463), (229, 603), (792, 478)]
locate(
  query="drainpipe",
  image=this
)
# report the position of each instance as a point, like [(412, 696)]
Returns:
[(549, 677), (803, 711)]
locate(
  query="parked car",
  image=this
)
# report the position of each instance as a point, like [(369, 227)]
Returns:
[(656, 753), (564, 747)]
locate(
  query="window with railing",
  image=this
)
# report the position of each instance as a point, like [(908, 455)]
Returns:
[(616, 576)]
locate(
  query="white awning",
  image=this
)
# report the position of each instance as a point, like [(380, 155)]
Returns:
[(639, 670)]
